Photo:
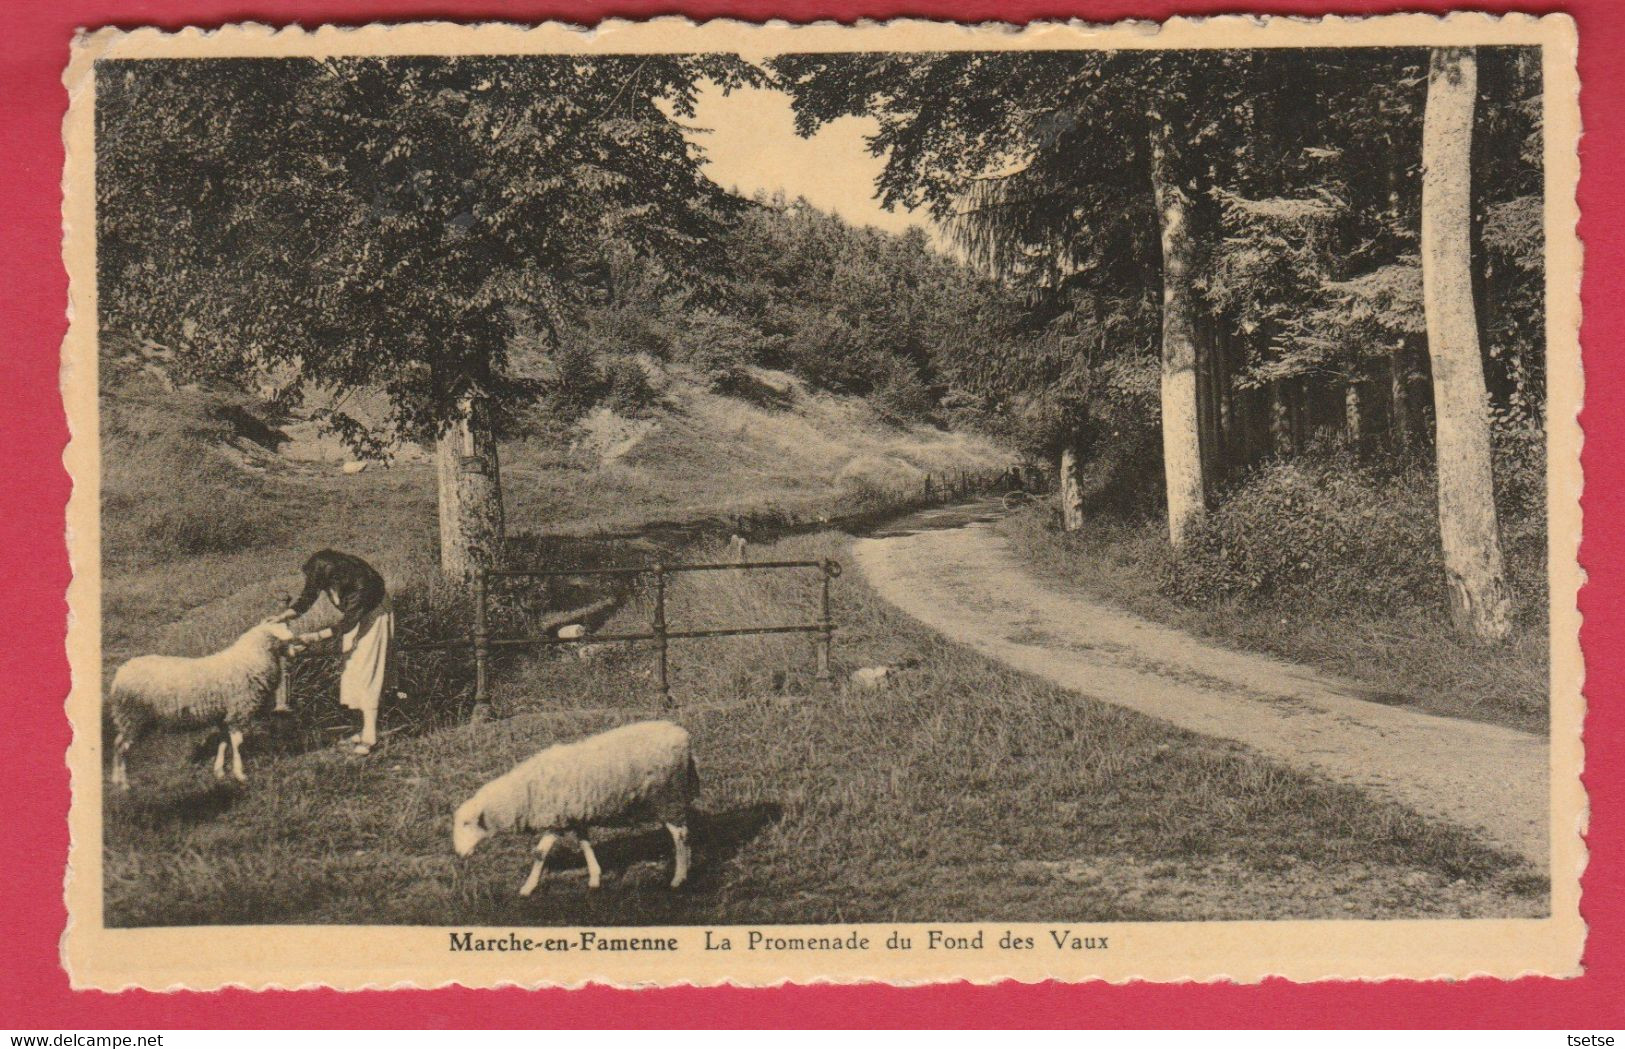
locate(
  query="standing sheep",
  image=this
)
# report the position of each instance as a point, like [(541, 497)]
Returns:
[(225, 688), (640, 770)]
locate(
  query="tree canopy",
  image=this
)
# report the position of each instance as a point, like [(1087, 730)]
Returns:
[(1302, 170), (387, 222)]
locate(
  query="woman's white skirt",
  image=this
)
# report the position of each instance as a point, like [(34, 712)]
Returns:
[(366, 662)]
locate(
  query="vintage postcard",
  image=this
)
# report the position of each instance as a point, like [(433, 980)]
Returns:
[(692, 504)]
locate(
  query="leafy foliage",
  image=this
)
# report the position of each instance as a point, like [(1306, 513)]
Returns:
[(1302, 170), (848, 309), (1306, 526), (379, 222)]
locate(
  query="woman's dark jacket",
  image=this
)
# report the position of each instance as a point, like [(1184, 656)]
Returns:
[(356, 586)]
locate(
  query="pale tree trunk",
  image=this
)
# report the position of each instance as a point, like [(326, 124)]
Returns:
[(1467, 524), (1181, 356), (1353, 416), (470, 485), (1071, 490)]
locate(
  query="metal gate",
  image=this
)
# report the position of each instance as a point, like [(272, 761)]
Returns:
[(482, 643)]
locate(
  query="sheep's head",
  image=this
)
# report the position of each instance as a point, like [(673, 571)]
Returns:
[(469, 827), (274, 633)]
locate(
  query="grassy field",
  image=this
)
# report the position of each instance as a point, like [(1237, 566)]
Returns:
[(200, 538), (966, 791)]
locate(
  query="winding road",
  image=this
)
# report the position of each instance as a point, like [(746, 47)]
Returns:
[(953, 571)]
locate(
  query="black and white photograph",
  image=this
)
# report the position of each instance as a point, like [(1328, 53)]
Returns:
[(772, 505)]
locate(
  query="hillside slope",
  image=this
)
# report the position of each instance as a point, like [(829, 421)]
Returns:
[(204, 526)]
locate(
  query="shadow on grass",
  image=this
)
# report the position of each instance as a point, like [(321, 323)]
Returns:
[(1385, 697), (715, 837), (637, 867), (190, 807)]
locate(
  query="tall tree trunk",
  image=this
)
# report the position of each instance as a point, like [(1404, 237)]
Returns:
[(1181, 349), (1467, 523), (1353, 416), (1071, 489), (470, 487)]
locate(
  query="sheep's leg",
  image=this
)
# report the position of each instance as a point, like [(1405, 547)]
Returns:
[(594, 872), (121, 772), (543, 847), (220, 760), (236, 737), (679, 848)]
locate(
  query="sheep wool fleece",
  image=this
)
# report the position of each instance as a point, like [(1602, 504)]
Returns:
[(642, 768)]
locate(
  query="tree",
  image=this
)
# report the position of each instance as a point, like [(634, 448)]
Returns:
[(1467, 519), (1183, 353), (1068, 173), (384, 223)]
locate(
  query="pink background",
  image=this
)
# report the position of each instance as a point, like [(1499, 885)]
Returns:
[(34, 674)]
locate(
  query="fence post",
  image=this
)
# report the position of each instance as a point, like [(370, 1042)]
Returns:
[(826, 625), (283, 688), (482, 649), (661, 678)]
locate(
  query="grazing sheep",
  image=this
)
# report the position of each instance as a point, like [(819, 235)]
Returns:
[(225, 688), (644, 769)]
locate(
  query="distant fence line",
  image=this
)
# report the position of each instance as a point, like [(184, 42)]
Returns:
[(480, 642), (961, 484)]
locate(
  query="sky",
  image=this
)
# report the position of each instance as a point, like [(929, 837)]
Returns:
[(751, 144)]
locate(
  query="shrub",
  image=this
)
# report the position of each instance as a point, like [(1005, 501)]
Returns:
[(1340, 531), (721, 349), (831, 355), (632, 330), (1330, 530), (576, 383), (902, 392), (629, 391)]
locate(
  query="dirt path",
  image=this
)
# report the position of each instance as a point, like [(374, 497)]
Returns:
[(967, 584)]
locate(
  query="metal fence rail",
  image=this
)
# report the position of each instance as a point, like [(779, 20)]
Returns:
[(482, 643)]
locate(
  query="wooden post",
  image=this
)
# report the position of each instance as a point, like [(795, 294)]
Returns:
[(283, 688), (662, 680), (482, 649), (826, 625)]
